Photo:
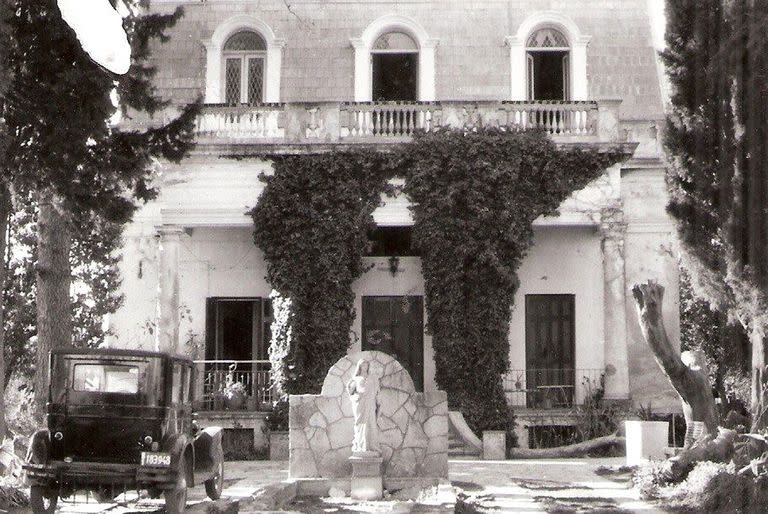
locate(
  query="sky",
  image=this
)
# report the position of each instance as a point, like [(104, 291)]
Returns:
[(99, 29), (658, 22)]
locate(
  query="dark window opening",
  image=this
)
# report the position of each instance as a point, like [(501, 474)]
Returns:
[(391, 241), (548, 75), (238, 328), (395, 76)]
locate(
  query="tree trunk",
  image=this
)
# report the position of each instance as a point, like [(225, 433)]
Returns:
[(759, 403), (690, 382), (716, 447), (5, 209), (572, 450), (52, 274)]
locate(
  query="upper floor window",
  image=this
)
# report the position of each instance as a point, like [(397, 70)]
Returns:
[(548, 59), (548, 65), (243, 62), (244, 56), (394, 60), (395, 67)]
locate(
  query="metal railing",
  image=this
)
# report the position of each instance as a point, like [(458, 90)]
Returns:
[(218, 377), (551, 388)]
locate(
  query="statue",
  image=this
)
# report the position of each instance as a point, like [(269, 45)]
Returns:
[(363, 389)]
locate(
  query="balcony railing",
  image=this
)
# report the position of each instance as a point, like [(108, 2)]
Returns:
[(382, 122), (217, 374), (551, 388)]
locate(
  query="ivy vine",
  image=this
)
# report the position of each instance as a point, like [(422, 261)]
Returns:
[(474, 198), (311, 222)]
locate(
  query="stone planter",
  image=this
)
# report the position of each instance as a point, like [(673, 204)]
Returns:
[(235, 402), (278, 446), (646, 440), (494, 445)]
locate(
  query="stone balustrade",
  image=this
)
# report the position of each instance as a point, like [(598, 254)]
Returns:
[(388, 122)]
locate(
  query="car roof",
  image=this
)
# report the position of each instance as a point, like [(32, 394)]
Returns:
[(117, 352)]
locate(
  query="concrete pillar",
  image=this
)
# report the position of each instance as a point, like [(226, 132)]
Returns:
[(167, 334), (613, 232)]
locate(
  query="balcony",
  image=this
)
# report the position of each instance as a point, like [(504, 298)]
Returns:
[(217, 374), (553, 388), (392, 122)]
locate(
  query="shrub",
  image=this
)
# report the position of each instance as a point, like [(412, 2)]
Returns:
[(277, 419)]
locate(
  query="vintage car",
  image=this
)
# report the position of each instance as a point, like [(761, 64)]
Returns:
[(118, 421)]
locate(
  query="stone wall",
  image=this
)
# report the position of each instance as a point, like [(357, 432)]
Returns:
[(413, 426)]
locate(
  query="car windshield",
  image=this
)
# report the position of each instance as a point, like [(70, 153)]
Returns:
[(106, 378)]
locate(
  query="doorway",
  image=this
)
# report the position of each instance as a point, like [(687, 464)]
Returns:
[(395, 325)]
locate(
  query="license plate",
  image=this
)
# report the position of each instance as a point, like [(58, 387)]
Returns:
[(155, 459)]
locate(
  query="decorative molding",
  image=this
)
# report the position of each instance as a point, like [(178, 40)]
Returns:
[(394, 22), (215, 67), (578, 44)]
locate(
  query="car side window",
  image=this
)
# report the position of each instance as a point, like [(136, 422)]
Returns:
[(176, 388)]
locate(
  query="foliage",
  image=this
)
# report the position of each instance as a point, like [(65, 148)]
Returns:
[(232, 388), (280, 343), (12, 494), (277, 419), (596, 417), (724, 344), (716, 62), (311, 222), (76, 153), (475, 196), (709, 487), (94, 292)]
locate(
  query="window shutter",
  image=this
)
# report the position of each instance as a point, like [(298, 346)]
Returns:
[(566, 77), (210, 329), (531, 68)]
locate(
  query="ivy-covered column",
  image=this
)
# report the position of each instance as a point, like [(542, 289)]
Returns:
[(167, 334), (612, 234)]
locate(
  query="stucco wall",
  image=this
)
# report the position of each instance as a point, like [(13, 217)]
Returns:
[(472, 60)]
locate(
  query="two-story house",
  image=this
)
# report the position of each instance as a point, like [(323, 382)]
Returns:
[(305, 75)]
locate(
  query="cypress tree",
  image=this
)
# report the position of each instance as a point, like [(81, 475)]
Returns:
[(716, 138), (65, 151)]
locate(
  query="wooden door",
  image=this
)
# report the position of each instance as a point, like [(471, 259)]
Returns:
[(549, 350), (394, 325)]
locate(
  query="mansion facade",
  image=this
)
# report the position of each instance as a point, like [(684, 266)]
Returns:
[(314, 75)]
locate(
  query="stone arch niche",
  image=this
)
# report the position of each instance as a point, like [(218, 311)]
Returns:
[(413, 427)]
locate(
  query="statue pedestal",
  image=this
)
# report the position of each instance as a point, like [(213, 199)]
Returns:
[(366, 476)]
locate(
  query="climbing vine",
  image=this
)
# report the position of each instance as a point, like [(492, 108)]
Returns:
[(475, 196), (311, 222)]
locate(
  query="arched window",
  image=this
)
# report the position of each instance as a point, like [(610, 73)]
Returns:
[(394, 60), (548, 59), (395, 67), (244, 55), (548, 65)]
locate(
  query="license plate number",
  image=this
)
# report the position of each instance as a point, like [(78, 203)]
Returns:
[(155, 459)]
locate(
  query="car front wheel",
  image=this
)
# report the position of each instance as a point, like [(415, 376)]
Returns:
[(176, 498), (215, 485), (43, 499)]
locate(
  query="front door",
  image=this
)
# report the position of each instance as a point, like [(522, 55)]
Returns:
[(394, 325), (549, 350)]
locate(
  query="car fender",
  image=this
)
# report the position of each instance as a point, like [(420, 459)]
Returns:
[(39, 447), (208, 450), (180, 446)]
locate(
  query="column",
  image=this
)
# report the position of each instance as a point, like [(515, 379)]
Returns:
[(612, 233), (167, 334)]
